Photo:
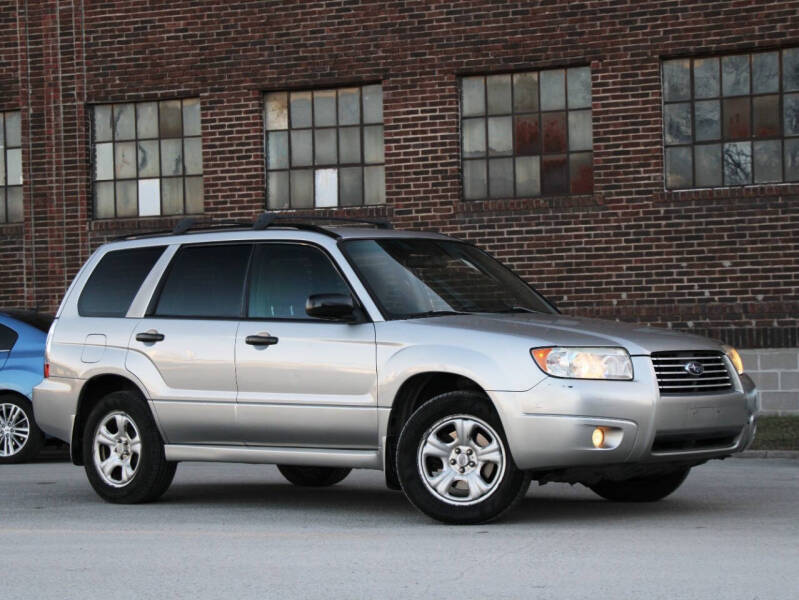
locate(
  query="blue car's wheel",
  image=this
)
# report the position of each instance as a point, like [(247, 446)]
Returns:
[(20, 438)]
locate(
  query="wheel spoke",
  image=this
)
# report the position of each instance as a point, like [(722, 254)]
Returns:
[(491, 453), (477, 487), (127, 471), (443, 482), (105, 437), (121, 422), (463, 430), (435, 447), (109, 464)]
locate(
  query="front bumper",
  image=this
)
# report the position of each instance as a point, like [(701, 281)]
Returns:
[(550, 425)]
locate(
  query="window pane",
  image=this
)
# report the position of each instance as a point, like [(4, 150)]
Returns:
[(790, 112), (147, 120), (767, 161), (500, 177), (735, 75), (766, 112), (301, 146), (127, 205), (790, 70), (554, 174), (149, 197), (302, 188), (104, 161), (351, 181), (2, 212), (679, 167), (676, 80), (500, 136), (300, 109), (373, 104), (13, 129), (278, 189), (116, 280), (277, 111), (277, 150), (553, 90), (737, 163), (374, 183), (171, 157), (525, 92), (349, 145), (736, 118), (580, 134), (474, 138), (325, 147), (14, 166), (104, 200), (172, 195), (792, 160), (16, 211), (149, 161), (554, 126), (528, 135), (708, 120), (2, 127), (325, 188), (194, 195), (677, 123), (324, 107), (528, 176), (125, 160), (2, 168), (473, 96), (581, 172), (195, 270), (765, 72), (349, 106), (708, 165), (578, 81), (191, 117), (475, 180), (499, 95), (373, 144), (124, 122), (102, 129), (706, 77), (170, 119)]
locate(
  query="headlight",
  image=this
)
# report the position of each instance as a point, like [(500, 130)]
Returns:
[(735, 358), (584, 363)]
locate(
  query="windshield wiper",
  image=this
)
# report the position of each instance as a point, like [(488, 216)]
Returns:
[(434, 313), (517, 309)]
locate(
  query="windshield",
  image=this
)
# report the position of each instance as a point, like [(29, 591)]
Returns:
[(420, 277)]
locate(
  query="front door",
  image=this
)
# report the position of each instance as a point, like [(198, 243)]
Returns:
[(302, 382)]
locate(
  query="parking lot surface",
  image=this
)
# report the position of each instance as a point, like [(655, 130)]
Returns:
[(241, 531)]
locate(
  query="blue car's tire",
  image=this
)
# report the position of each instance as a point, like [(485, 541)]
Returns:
[(20, 437)]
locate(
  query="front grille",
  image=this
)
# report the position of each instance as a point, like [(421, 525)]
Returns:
[(699, 440), (673, 378)]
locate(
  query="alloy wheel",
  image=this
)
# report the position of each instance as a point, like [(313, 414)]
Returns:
[(14, 430), (117, 449)]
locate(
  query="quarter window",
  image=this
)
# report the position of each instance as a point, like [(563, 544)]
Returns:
[(324, 148), (527, 134), (147, 159), (731, 120), (10, 168), (8, 337)]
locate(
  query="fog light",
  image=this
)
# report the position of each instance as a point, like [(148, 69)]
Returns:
[(598, 437)]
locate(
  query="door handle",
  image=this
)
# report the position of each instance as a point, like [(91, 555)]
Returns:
[(150, 336), (260, 340)]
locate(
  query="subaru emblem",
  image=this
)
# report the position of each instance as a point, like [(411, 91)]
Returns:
[(694, 368)]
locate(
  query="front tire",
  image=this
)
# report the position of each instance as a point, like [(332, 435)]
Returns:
[(641, 489), (313, 476), (20, 437), (123, 451), (454, 463)]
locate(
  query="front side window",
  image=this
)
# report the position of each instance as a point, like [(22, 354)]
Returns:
[(8, 337), (527, 134), (10, 168), (285, 275), (324, 148), (147, 159), (731, 120)]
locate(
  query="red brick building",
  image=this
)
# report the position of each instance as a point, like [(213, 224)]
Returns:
[(634, 160)]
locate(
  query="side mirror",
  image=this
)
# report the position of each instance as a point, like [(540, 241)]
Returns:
[(332, 307)]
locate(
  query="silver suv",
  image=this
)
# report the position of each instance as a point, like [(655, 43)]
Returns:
[(327, 348)]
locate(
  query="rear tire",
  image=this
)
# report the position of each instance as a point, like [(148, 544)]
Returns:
[(123, 451), (313, 476), (20, 437), (641, 489)]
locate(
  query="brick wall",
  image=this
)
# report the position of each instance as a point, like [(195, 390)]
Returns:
[(724, 262)]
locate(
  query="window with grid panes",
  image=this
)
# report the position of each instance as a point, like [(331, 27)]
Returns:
[(10, 168), (324, 148), (527, 134), (147, 158), (731, 120)]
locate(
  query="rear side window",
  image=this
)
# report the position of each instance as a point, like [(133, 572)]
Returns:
[(8, 337), (115, 281), (205, 282)]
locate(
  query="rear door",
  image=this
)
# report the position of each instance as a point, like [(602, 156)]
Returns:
[(184, 347)]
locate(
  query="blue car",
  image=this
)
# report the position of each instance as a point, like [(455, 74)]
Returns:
[(22, 340)]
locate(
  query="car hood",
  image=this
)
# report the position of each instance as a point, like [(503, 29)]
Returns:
[(562, 330)]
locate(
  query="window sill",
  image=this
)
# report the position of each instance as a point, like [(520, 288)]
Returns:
[(538, 203), (750, 191)]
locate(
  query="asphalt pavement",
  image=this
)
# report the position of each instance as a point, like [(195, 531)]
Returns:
[(241, 531)]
